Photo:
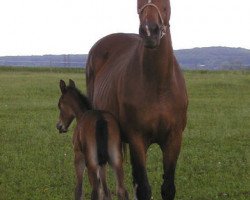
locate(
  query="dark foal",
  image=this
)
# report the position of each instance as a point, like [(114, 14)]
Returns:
[(96, 142)]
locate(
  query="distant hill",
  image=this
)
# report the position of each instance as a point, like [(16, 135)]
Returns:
[(215, 58), (45, 61), (209, 58)]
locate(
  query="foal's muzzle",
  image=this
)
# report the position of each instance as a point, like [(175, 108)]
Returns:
[(61, 128)]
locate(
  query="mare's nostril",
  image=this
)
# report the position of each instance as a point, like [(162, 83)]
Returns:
[(156, 30), (142, 31)]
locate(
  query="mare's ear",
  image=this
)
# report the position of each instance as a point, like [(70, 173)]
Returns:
[(62, 86), (72, 83)]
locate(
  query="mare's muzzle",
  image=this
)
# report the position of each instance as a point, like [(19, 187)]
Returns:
[(151, 34)]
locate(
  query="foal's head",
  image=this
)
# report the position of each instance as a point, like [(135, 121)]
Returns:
[(154, 20), (71, 104)]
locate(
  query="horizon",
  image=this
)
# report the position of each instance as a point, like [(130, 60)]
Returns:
[(48, 54)]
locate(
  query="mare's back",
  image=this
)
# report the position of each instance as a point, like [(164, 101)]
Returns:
[(112, 52), (114, 45), (108, 60)]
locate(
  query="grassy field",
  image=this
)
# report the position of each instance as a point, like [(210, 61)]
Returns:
[(36, 162)]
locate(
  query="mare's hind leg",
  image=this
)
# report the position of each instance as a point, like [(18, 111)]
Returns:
[(79, 169), (138, 150), (170, 150), (107, 195)]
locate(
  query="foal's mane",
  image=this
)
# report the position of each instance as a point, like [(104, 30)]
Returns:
[(82, 99)]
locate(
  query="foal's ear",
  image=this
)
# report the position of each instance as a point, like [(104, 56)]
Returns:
[(72, 83), (62, 86)]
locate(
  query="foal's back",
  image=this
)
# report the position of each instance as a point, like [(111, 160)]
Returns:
[(97, 135)]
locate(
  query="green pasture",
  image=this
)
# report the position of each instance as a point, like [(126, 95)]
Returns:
[(37, 163)]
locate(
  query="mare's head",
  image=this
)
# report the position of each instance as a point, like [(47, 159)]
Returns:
[(71, 104), (154, 20)]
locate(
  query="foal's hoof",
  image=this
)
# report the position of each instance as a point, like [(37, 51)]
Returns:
[(107, 198), (107, 195), (123, 195)]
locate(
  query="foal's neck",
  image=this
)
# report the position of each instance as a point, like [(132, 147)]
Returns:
[(78, 109)]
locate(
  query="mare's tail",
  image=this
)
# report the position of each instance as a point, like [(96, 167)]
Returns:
[(102, 140)]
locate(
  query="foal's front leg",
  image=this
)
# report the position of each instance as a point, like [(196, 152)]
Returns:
[(79, 168)]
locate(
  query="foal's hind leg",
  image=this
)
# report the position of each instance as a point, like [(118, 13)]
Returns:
[(79, 168), (116, 163), (95, 182), (107, 195), (170, 150)]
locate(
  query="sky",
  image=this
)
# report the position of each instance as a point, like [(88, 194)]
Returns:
[(38, 27)]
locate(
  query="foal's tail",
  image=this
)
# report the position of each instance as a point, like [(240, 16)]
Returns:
[(102, 140)]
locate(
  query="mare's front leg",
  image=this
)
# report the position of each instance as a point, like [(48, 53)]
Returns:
[(138, 149), (170, 150), (79, 169)]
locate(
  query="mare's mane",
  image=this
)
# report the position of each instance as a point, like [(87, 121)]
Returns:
[(81, 98)]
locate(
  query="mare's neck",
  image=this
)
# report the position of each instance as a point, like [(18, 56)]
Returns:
[(158, 63)]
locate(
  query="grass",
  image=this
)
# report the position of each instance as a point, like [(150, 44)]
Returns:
[(37, 163)]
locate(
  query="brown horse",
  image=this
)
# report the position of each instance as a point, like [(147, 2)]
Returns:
[(96, 141), (137, 79)]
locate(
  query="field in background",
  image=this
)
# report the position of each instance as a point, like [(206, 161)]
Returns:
[(37, 163)]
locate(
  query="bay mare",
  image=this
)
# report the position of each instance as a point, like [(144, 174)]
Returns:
[(96, 141), (137, 79)]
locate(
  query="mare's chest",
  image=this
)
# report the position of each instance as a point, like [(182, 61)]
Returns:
[(149, 112)]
